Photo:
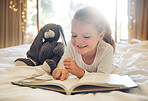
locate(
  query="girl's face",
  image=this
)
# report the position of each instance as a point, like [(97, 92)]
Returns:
[(85, 37)]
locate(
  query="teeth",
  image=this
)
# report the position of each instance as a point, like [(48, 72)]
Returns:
[(81, 46)]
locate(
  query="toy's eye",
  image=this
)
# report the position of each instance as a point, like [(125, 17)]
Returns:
[(49, 34)]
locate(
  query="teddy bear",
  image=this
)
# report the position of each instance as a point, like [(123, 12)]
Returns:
[(45, 49)]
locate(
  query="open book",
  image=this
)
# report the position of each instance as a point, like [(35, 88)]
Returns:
[(91, 82)]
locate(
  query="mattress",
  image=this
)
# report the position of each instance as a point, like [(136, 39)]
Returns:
[(130, 59)]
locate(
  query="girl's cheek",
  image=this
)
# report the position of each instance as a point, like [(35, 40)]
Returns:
[(71, 40)]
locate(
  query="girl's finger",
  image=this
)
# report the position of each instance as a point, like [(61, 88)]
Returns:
[(68, 67), (63, 76), (67, 64), (68, 60), (58, 74), (67, 74), (70, 71)]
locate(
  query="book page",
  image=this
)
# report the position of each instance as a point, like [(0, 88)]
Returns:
[(107, 82), (45, 76), (67, 84), (128, 82), (89, 82), (100, 79), (88, 88), (47, 83)]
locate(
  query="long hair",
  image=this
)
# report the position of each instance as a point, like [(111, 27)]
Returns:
[(93, 16)]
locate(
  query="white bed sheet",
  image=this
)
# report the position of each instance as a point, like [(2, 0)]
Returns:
[(132, 59)]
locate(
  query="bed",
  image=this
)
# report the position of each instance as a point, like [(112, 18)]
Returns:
[(132, 59)]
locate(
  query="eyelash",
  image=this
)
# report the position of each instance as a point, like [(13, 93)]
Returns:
[(86, 37), (74, 36)]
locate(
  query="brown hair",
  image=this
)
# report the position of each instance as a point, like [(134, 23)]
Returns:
[(93, 16)]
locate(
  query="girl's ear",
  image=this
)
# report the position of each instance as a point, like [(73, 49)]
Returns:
[(102, 34)]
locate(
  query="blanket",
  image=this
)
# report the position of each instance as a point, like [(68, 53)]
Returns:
[(132, 59)]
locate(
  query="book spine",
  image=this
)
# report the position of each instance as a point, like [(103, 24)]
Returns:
[(68, 93)]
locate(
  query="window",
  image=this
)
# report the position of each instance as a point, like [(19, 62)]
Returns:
[(61, 12), (31, 24)]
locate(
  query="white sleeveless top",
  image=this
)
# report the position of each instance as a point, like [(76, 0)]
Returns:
[(102, 63)]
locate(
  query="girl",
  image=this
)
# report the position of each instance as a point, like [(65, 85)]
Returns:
[(91, 47)]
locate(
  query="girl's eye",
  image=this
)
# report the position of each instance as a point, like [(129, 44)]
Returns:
[(74, 36), (87, 37)]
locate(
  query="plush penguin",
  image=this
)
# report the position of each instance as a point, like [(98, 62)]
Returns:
[(45, 49)]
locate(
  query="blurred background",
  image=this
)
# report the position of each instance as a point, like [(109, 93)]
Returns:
[(22, 19)]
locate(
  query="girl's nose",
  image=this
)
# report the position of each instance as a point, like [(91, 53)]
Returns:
[(79, 40)]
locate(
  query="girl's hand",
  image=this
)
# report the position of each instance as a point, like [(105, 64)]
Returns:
[(60, 73), (73, 68)]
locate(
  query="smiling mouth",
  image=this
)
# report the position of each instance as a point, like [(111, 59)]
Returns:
[(82, 46)]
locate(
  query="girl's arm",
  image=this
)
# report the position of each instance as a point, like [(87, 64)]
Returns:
[(60, 72), (106, 62), (69, 52), (73, 68)]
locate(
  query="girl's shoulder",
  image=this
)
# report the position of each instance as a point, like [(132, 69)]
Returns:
[(104, 46), (70, 47)]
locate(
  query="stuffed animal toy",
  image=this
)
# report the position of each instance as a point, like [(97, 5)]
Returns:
[(45, 49)]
